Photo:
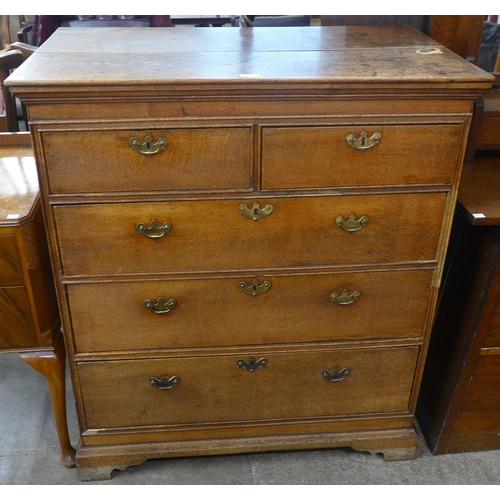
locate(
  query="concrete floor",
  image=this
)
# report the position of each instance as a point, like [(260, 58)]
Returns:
[(29, 453)]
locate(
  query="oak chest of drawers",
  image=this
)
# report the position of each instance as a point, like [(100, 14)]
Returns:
[(247, 228)]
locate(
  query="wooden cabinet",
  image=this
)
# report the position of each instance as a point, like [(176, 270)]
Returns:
[(248, 228), (459, 407), (29, 316)]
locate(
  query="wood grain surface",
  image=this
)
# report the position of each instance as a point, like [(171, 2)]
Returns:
[(214, 236)]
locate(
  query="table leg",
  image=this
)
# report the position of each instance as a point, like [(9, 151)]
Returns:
[(51, 363)]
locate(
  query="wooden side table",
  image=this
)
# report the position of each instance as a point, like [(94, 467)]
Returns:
[(29, 318), (459, 405)]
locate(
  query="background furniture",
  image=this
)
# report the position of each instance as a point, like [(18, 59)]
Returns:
[(247, 254), (485, 134), (106, 23), (45, 25), (8, 110), (12, 113), (459, 407), (29, 319), (270, 21)]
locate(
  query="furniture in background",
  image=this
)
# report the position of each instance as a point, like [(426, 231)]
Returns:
[(459, 405), (12, 113), (22, 24), (8, 111), (44, 25), (29, 318), (106, 23), (485, 134), (270, 21), (203, 21), (5, 31), (247, 250)]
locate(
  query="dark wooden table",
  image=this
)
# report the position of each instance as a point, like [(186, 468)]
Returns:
[(459, 405)]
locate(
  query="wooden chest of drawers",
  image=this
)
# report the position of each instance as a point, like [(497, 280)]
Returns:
[(248, 228)]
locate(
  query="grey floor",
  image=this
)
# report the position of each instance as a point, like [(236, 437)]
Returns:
[(29, 453)]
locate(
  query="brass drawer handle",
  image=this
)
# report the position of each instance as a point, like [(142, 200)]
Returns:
[(165, 382), (148, 147), (336, 375), (363, 142), (254, 288), (352, 225), (160, 306), (154, 231), (345, 298), (255, 213), (251, 365)]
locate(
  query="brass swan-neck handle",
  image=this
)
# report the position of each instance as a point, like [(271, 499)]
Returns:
[(352, 224), (363, 142), (148, 147), (255, 213), (154, 231), (254, 288), (165, 382), (345, 298), (336, 374), (161, 306), (252, 364)]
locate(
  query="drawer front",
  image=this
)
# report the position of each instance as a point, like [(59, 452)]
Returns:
[(10, 265), (321, 156), (214, 389), (114, 316), (482, 395), (214, 235), (16, 328), (479, 411), (193, 159)]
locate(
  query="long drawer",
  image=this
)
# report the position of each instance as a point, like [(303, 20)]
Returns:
[(215, 235), (221, 388), (305, 308), (188, 159), (300, 157)]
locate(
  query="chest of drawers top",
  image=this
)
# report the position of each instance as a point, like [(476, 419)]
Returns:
[(212, 61)]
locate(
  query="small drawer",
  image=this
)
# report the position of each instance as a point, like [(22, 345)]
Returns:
[(215, 235), (222, 388), (300, 157), (187, 159), (315, 307), (16, 328)]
